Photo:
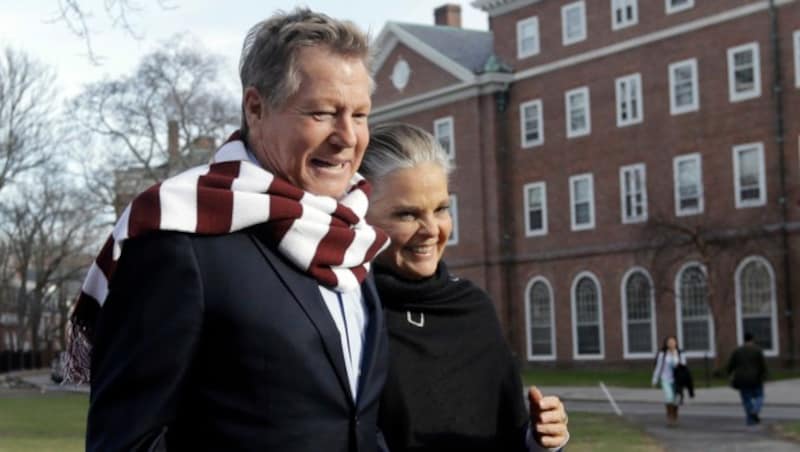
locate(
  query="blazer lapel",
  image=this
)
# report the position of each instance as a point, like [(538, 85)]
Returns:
[(306, 292), (373, 334)]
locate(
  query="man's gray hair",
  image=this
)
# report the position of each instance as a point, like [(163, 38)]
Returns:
[(269, 53), (396, 146)]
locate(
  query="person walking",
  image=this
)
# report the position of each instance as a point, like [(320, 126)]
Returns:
[(747, 369), (667, 360)]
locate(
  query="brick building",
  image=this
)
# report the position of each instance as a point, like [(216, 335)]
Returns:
[(625, 169)]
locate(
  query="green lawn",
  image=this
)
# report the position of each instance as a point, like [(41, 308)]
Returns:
[(605, 432), (34, 422), (629, 378)]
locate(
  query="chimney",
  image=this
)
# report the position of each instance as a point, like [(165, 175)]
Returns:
[(448, 15), (172, 138)]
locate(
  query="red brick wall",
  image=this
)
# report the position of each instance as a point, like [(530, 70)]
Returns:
[(425, 76)]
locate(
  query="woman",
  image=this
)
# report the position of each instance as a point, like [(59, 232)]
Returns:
[(453, 383), (667, 360)]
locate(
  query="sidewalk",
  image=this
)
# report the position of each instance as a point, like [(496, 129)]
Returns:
[(783, 392), (41, 379)]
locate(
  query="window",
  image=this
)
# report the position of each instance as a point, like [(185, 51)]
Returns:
[(633, 191), (573, 22), (629, 100), (577, 107), (683, 89), (748, 175), (755, 303), (797, 58), (674, 6), (541, 320), (531, 123), (624, 13), (638, 314), (443, 130), (587, 317), (453, 239), (581, 198), (688, 177), (535, 209), (695, 325), (527, 37), (744, 72)]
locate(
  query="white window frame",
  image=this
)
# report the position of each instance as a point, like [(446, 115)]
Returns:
[(756, 91), (539, 119), (584, 91), (572, 180), (762, 176), (531, 356), (676, 183), (565, 10), (623, 170), (674, 108), (653, 323), (575, 354), (529, 232), (773, 304), (448, 121), (453, 239), (615, 5), (672, 9), (679, 316), (621, 92), (522, 53), (796, 41)]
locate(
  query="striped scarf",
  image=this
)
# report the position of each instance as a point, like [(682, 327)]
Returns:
[(323, 237)]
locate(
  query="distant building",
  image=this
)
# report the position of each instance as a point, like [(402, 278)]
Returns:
[(626, 169)]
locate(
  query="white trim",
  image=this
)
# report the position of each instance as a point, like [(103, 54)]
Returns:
[(679, 316), (524, 142), (773, 303), (756, 91), (653, 322), (621, 98), (615, 5), (635, 168), (762, 177), (671, 9), (572, 180), (447, 121), (574, 316), (500, 7), (674, 108), (531, 356), (453, 239), (583, 90), (534, 22), (526, 207), (581, 6), (676, 184), (796, 41)]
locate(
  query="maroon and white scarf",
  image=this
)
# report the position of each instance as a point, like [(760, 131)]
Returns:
[(323, 237)]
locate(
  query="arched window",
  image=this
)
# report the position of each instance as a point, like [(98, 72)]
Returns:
[(695, 325), (755, 303), (587, 316), (638, 314), (540, 320)]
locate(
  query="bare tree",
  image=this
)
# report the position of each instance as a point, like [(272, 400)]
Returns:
[(26, 114)]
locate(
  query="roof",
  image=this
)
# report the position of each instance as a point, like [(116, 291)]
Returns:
[(469, 48)]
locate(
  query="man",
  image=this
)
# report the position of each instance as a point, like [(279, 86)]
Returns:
[(748, 371), (235, 310)]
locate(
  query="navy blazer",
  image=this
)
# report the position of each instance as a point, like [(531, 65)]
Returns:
[(217, 343)]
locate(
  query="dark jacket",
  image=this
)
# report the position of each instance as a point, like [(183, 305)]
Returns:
[(221, 345), (747, 367)]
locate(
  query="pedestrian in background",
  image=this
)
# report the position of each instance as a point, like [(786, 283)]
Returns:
[(747, 369), (667, 360)]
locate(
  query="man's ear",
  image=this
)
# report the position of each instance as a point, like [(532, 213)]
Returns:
[(254, 106)]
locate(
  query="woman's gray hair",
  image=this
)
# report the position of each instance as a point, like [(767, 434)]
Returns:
[(269, 53), (396, 146)]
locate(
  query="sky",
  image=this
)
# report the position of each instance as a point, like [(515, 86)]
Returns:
[(29, 26)]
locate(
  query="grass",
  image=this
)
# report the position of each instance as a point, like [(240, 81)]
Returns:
[(627, 378), (607, 433), (30, 421)]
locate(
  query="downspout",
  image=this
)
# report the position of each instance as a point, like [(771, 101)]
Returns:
[(777, 95)]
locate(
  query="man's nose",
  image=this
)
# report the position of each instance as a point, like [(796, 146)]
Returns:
[(344, 134)]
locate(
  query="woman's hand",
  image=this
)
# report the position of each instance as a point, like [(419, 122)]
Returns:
[(548, 419)]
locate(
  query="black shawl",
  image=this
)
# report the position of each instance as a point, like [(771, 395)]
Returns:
[(453, 383)]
